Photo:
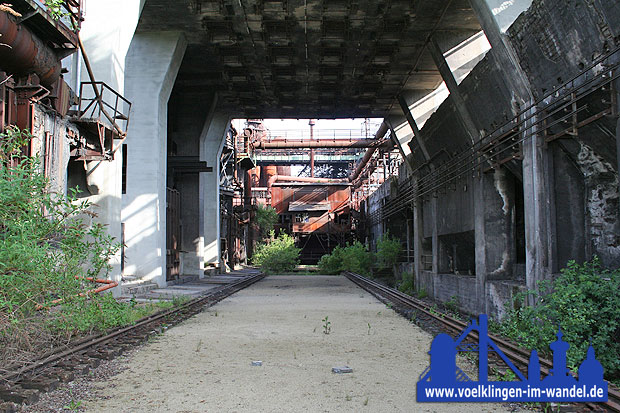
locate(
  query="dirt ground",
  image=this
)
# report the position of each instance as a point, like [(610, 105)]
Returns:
[(204, 364)]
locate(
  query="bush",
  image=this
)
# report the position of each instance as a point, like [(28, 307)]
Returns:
[(406, 286), (388, 251), (331, 263), (354, 258), (585, 302), (278, 255), (46, 253), (266, 218), (46, 250)]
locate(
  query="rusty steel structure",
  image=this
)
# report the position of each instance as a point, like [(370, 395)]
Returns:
[(318, 211)]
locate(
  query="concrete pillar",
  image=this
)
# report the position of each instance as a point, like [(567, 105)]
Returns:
[(152, 64), (617, 90), (435, 234), (106, 32), (189, 112), (211, 143), (418, 236), (494, 229), (536, 205)]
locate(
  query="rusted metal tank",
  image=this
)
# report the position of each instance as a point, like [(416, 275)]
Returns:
[(26, 53)]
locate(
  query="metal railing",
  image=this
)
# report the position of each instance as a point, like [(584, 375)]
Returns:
[(118, 107)]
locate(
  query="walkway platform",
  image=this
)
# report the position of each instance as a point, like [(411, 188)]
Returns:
[(299, 328), (192, 288)]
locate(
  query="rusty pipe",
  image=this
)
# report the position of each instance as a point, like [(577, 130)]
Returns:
[(26, 53), (321, 143), (273, 179), (108, 285), (371, 150), (311, 123)]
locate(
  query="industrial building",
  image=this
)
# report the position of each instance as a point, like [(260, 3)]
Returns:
[(496, 161)]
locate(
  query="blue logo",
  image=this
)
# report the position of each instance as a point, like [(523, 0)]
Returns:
[(444, 381)]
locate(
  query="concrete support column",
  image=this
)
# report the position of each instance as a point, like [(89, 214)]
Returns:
[(617, 90), (107, 34), (211, 143), (189, 113), (418, 236), (536, 205), (152, 64), (494, 230), (435, 235)]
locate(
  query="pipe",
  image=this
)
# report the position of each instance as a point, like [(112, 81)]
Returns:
[(371, 150), (284, 178), (322, 143), (108, 285), (26, 53), (311, 123)]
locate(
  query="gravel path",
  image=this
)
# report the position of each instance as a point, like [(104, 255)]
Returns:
[(204, 364)]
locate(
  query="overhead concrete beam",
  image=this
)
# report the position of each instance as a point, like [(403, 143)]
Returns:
[(450, 81), (417, 135), (152, 65), (398, 145), (402, 131), (503, 52)]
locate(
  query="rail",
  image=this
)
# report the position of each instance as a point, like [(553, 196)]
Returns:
[(110, 343), (515, 354)]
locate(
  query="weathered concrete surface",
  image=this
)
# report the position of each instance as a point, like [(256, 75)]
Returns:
[(204, 363), (152, 64), (556, 200)]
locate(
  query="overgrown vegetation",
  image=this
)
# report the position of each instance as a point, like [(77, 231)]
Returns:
[(277, 255), (266, 218), (585, 302), (48, 249), (56, 8), (354, 257), (388, 251), (407, 284)]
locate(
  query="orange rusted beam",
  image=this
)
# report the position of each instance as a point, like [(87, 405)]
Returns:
[(108, 285)]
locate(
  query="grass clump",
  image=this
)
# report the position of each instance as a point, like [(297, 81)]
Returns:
[(585, 301), (354, 257), (407, 284), (277, 255)]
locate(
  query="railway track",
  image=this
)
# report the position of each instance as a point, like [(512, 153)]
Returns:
[(444, 322), (23, 384)]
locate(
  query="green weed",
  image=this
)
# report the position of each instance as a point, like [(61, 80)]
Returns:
[(326, 325)]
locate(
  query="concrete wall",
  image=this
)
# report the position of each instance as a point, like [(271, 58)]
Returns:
[(152, 64), (563, 193), (187, 115), (106, 33)]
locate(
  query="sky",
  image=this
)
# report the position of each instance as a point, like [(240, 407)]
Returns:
[(324, 128)]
